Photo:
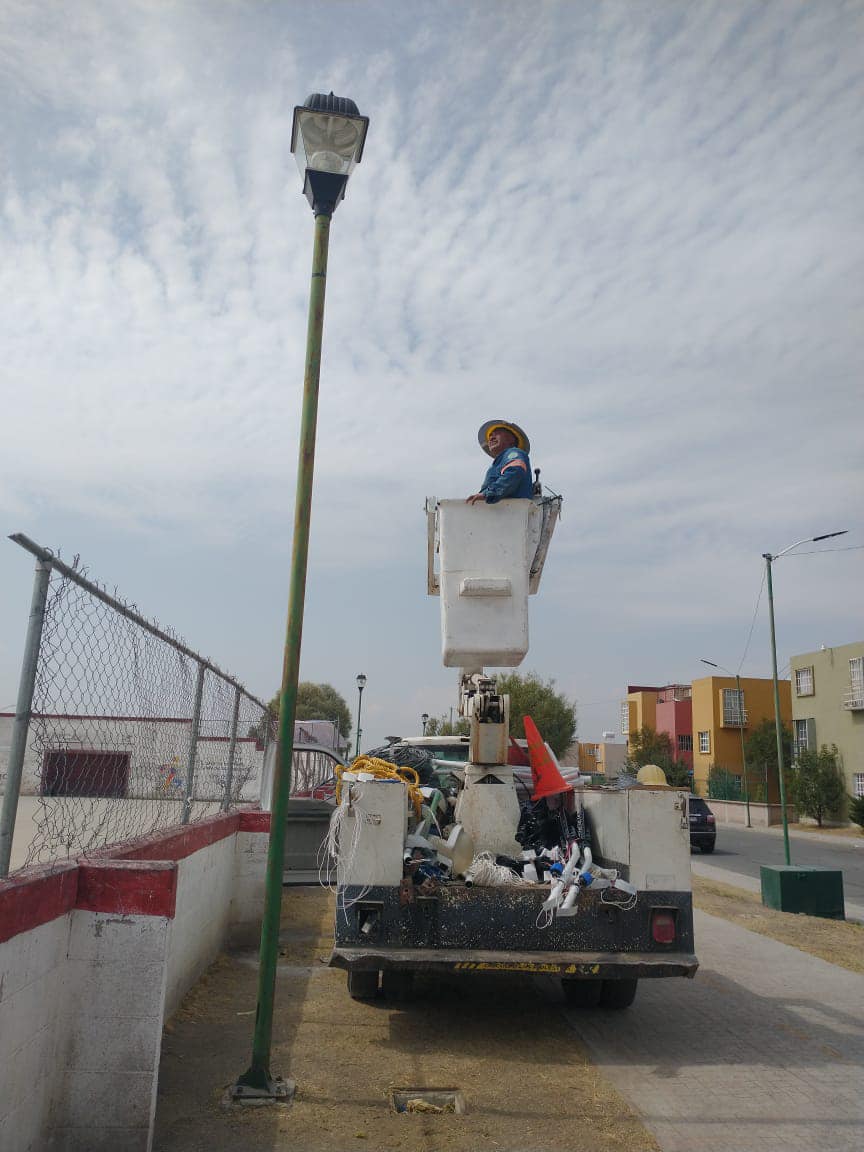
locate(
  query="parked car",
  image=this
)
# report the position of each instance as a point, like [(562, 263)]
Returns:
[(703, 829)]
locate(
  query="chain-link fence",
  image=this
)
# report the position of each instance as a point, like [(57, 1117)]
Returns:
[(126, 729)]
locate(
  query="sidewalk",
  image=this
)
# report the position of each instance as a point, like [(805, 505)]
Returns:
[(762, 1052)]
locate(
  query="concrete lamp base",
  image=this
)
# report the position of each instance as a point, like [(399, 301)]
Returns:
[(809, 891), (278, 1091)]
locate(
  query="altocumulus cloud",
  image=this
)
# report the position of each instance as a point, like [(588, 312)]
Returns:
[(635, 227)]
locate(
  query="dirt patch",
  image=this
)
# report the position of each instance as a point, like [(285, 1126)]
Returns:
[(501, 1041), (836, 941)]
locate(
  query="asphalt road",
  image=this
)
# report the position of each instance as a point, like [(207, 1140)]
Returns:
[(743, 850)]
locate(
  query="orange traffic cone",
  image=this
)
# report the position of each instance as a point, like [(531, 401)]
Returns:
[(548, 781)]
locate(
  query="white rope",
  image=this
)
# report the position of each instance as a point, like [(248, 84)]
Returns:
[(487, 874), (337, 846)]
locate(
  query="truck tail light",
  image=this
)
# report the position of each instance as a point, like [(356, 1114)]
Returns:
[(663, 927)]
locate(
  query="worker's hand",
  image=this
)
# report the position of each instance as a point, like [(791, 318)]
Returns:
[(474, 499)]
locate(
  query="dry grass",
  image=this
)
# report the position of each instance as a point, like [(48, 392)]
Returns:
[(836, 941), (855, 832), (503, 1043)]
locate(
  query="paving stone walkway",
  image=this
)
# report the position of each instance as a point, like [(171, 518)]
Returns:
[(762, 1052)]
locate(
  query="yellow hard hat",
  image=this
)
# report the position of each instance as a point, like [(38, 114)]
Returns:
[(490, 425), (651, 774)]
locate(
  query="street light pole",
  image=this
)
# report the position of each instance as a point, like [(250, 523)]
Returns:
[(778, 726), (361, 684), (741, 730), (327, 139), (424, 720)]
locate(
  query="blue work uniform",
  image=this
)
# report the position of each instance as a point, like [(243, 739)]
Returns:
[(509, 478)]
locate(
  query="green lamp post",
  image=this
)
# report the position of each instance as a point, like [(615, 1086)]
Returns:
[(327, 138), (778, 725)]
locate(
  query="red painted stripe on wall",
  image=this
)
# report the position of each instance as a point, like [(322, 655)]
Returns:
[(128, 887), (176, 843), (135, 878), (41, 895), (252, 820)]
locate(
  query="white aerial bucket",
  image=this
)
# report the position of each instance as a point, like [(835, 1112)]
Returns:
[(490, 560)]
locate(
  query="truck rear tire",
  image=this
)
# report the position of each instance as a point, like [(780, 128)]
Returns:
[(397, 985), (618, 993), (362, 984), (582, 993)]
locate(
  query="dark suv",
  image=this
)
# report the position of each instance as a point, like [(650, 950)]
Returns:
[(703, 831)]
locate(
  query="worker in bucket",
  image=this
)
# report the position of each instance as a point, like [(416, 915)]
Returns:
[(509, 477)]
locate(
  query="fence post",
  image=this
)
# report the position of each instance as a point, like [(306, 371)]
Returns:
[(226, 802), (26, 685), (193, 746)]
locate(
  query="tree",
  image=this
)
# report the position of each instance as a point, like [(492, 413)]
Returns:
[(817, 784), (856, 811), (442, 726), (650, 747), (760, 748), (318, 702), (551, 711)]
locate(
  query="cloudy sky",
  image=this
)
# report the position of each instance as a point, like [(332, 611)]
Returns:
[(635, 228)]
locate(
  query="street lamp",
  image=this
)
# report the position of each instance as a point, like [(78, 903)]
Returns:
[(361, 684), (425, 720), (769, 559), (327, 138), (711, 664)]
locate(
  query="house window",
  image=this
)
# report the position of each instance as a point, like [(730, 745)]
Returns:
[(856, 676), (685, 743), (803, 681), (858, 784), (733, 707), (625, 719), (704, 742), (804, 737)]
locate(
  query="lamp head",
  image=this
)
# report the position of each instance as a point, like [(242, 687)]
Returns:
[(361, 681), (327, 138)]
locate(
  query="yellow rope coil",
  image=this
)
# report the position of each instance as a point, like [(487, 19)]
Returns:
[(383, 770)]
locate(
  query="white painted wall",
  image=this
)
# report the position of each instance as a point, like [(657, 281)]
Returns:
[(32, 979), (205, 887), (158, 751), (110, 1032), (83, 999)]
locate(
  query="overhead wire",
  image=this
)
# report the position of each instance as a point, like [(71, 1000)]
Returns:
[(752, 622)]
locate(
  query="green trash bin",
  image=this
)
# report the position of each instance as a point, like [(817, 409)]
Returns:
[(808, 891)]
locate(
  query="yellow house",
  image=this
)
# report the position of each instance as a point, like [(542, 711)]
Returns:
[(720, 718), (639, 710)]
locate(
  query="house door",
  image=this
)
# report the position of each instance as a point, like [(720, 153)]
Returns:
[(80, 772)]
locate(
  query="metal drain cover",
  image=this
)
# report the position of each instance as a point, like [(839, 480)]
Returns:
[(428, 1101)]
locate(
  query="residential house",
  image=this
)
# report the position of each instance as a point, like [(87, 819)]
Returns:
[(722, 717), (665, 709), (828, 706)]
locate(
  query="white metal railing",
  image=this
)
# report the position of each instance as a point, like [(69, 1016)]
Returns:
[(736, 718), (853, 700)]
